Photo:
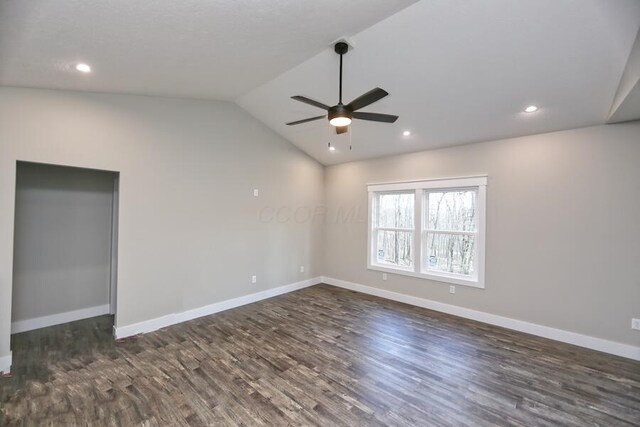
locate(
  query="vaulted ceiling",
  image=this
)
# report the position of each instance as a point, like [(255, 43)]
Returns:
[(461, 71), (212, 49), (457, 71)]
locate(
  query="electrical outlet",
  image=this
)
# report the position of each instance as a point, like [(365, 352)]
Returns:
[(256, 192), (635, 324), (254, 279), (384, 276), (302, 269), (452, 289)]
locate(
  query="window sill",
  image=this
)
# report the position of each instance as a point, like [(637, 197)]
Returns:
[(428, 276)]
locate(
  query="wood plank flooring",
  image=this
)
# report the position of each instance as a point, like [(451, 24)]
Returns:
[(320, 356)]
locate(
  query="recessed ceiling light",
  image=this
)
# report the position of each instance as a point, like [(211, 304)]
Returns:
[(531, 109), (83, 68), (406, 133), (332, 148)]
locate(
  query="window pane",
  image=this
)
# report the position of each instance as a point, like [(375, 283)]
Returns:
[(394, 247), (452, 210), (395, 210), (451, 253)]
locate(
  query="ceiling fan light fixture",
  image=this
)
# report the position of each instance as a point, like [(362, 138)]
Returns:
[(340, 121), (339, 116)]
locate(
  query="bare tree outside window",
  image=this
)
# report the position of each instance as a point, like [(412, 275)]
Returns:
[(451, 231), (395, 225)]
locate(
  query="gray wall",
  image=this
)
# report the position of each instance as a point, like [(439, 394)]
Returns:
[(62, 240), (563, 227), (563, 233), (189, 227)]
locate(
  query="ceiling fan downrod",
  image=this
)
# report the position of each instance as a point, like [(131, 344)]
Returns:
[(341, 48)]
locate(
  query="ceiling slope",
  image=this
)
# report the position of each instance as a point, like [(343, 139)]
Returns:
[(213, 49), (461, 72), (626, 105)]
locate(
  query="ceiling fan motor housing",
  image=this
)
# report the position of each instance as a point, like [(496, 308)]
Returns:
[(339, 110)]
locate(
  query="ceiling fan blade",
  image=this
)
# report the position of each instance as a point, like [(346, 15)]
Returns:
[(375, 117), (305, 120), (368, 98), (310, 102), (341, 129)]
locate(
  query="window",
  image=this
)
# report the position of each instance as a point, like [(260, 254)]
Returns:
[(429, 229), (450, 232), (393, 229)]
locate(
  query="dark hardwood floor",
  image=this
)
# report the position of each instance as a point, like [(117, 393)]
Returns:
[(319, 356)]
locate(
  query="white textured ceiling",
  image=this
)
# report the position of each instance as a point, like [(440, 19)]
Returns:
[(216, 49), (458, 71), (461, 71)]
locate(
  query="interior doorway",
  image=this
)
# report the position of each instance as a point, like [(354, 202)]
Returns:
[(65, 245)]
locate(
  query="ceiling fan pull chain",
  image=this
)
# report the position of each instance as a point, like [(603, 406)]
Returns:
[(329, 129)]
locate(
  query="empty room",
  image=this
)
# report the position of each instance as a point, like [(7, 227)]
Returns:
[(320, 213)]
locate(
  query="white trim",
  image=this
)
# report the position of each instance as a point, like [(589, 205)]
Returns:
[(145, 326), (418, 225), (599, 344), (57, 319), (406, 230), (172, 319), (113, 266), (454, 232), (472, 181), (482, 234), (374, 206), (5, 363), (454, 279)]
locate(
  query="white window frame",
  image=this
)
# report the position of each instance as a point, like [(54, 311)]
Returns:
[(374, 229), (477, 183)]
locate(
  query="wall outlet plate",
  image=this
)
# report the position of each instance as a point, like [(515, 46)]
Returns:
[(452, 289), (635, 324), (254, 279), (256, 192), (384, 276), (302, 269)]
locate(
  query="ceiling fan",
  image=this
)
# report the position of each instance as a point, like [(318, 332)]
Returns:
[(340, 115)]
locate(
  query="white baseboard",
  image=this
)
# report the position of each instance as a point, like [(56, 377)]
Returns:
[(57, 319), (612, 347), (5, 363), (172, 319)]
